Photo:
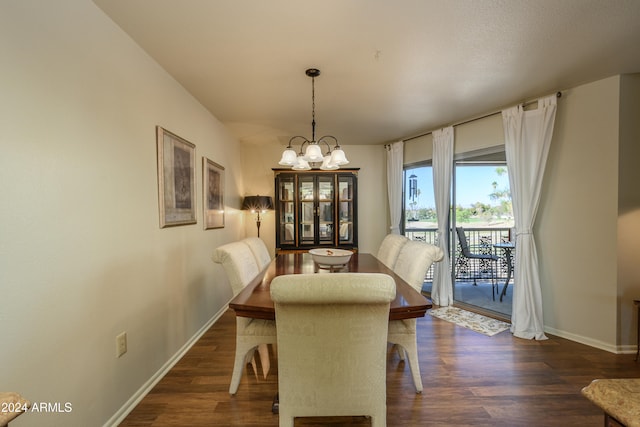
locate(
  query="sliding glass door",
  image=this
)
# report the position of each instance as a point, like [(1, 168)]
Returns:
[(481, 224), (484, 218)]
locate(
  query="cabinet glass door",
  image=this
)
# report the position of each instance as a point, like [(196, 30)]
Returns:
[(306, 195), (346, 212), (325, 210), (286, 210)]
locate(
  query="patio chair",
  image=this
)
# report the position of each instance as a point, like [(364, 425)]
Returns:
[(476, 265)]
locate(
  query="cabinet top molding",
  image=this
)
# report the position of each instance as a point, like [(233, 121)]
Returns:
[(315, 171)]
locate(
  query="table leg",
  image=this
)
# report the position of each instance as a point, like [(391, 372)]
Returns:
[(507, 254)]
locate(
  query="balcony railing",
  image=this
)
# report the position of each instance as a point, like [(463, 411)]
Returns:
[(480, 240)]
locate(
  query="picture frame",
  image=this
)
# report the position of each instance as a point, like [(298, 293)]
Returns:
[(213, 194), (176, 179)]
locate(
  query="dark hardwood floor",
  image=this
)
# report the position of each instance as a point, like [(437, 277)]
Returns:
[(469, 380)]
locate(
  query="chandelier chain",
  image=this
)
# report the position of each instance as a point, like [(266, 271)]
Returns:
[(313, 108)]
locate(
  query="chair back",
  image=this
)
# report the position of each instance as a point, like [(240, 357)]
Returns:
[(239, 264), (332, 341), (414, 260), (464, 245), (260, 251), (390, 248)]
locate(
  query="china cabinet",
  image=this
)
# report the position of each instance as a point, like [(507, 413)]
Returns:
[(316, 209)]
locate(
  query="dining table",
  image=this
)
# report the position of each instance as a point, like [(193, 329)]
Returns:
[(255, 301)]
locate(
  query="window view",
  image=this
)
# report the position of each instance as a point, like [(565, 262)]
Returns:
[(483, 222), (420, 222), (482, 196), (481, 229), (419, 203)]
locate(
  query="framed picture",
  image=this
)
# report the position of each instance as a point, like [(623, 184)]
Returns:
[(176, 179), (213, 194)]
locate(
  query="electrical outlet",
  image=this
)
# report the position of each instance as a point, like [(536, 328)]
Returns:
[(121, 344)]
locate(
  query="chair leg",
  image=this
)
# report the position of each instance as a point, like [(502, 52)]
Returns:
[(412, 355), (410, 348), (243, 352), (494, 280), (285, 420), (400, 351), (254, 365), (263, 351), (379, 420)]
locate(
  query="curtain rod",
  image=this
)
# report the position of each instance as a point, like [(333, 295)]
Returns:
[(558, 95)]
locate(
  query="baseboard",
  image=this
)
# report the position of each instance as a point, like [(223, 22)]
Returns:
[(122, 413), (616, 349)]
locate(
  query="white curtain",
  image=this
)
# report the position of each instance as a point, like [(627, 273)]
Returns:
[(442, 290), (394, 184), (527, 140)]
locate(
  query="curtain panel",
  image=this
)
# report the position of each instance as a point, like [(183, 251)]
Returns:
[(527, 141), (394, 184), (443, 140)]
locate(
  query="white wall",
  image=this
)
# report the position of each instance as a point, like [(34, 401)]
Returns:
[(82, 257), (577, 217), (629, 209)]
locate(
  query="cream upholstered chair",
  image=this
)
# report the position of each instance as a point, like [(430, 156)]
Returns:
[(263, 258), (414, 260), (332, 333), (238, 262), (260, 251), (241, 267), (390, 248)]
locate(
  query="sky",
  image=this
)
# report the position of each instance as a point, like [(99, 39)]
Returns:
[(473, 182)]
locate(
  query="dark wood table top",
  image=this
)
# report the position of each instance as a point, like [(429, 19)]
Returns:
[(255, 299)]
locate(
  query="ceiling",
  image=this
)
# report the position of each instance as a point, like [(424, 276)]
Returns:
[(389, 69)]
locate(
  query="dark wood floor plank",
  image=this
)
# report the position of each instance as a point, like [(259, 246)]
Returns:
[(469, 380)]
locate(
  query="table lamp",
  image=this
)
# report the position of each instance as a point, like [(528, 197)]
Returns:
[(257, 205)]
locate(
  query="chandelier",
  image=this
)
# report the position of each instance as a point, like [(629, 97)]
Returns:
[(333, 157)]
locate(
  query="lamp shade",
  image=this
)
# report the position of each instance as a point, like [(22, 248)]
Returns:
[(338, 157), (289, 157), (327, 165), (313, 153), (301, 164), (257, 203)]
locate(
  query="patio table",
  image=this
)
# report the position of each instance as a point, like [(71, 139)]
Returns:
[(508, 248)]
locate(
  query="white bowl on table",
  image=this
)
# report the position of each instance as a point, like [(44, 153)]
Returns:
[(331, 257)]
